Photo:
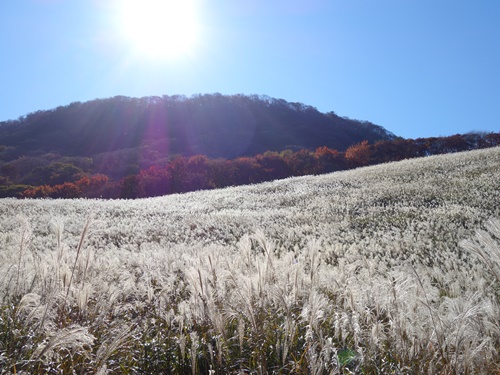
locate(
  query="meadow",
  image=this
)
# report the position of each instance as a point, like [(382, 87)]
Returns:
[(388, 269)]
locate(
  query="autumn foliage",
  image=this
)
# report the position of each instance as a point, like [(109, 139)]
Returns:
[(183, 174), (358, 155)]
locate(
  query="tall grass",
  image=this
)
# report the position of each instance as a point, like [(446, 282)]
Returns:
[(391, 269)]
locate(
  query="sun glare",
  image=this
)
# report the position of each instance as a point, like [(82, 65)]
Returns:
[(159, 29)]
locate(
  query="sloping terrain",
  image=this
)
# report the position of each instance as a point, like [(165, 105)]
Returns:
[(212, 125), (379, 269)]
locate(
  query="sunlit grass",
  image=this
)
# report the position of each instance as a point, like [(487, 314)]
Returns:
[(388, 269)]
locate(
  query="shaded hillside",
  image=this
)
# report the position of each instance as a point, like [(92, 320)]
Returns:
[(64, 179), (214, 125)]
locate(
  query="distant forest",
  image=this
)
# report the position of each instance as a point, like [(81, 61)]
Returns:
[(148, 129), (130, 148)]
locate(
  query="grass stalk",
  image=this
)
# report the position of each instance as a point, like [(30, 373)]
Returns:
[(78, 250)]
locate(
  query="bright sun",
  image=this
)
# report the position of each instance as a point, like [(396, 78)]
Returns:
[(159, 29)]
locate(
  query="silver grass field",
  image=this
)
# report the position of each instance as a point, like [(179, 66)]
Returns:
[(389, 269)]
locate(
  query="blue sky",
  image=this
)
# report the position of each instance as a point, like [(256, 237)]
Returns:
[(419, 68)]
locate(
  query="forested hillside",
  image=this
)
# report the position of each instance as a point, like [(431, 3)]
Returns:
[(132, 148), (155, 127)]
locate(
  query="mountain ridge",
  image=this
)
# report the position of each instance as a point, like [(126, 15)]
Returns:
[(214, 125)]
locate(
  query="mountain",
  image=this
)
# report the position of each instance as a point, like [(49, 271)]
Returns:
[(214, 125)]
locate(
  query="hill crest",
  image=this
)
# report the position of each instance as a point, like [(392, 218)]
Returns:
[(214, 125)]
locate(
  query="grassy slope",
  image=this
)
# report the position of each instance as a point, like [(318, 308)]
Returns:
[(289, 275)]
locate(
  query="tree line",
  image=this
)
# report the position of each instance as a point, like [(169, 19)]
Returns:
[(215, 125), (189, 173)]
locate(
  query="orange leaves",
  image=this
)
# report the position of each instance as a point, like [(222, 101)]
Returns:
[(359, 154)]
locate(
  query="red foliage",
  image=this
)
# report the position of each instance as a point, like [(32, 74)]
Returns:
[(359, 154), (328, 160), (66, 190), (198, 172), (93, 186), (44, 191)]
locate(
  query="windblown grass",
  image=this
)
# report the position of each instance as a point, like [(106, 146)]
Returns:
[(391, 269)]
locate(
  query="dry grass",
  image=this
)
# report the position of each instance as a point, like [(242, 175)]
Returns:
[(391, 269)]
